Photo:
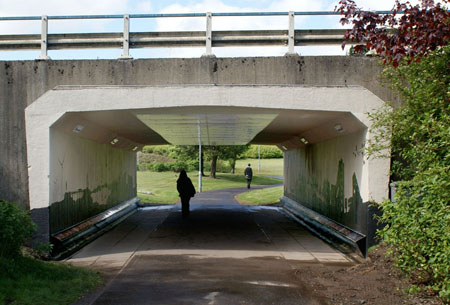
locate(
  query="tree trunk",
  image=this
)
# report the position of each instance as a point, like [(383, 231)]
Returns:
[(213, 167), (233, 164)]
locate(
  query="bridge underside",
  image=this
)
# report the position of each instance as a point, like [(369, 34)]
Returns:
[(210, 125), (82, 143)]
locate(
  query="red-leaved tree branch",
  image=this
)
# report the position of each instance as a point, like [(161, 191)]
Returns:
[(407, 32)]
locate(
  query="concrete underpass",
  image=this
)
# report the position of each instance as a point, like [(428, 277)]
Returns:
[(73, 159), (82, 144)]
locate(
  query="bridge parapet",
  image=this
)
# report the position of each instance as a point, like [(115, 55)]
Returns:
[(289, 37)]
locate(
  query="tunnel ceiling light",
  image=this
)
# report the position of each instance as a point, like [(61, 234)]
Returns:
[(284, 147), (78, 128), (339, 128), (114, 141), (304, 141)]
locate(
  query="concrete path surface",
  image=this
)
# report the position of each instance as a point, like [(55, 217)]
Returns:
[(224, 253)]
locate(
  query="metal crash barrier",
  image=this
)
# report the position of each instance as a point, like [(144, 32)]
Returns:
[(127, 40)]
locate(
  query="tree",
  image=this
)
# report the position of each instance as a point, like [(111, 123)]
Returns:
[(418, 222), (223, 152), (213, 153), (186, 153), (419, 30), (417, 63), (233, 152)]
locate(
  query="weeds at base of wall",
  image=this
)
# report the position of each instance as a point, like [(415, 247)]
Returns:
[(29, 281), (16, 227)]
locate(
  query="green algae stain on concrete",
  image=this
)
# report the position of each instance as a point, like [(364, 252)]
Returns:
[(329, 199), (84, 203)]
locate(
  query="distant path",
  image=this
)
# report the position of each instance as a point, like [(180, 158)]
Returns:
[(224, 198), (276, 177)]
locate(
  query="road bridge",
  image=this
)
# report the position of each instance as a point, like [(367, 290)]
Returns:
[(70, 130)]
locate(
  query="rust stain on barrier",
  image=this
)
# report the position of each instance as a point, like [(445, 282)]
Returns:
[(88, 223)]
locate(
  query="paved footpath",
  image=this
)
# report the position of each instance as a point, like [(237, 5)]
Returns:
[(224, 253)]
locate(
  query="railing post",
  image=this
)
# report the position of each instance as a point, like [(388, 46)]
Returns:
[(291, 34), (44, 38), (126, 38), (208, 34)]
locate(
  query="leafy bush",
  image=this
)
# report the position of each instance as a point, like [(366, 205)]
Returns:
[(266, 152), (418, 223), (156, 149), (186, 165), (161, 149), (158, 167), (419, 228), (16, 227), (144, 159), (176, 166), (147, 149), (153, 158)]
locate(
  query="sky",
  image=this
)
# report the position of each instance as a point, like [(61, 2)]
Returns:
[(105, 7)]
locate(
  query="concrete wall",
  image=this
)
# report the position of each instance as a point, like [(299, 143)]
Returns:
[(86, 178), (22, 82), (331, 178)]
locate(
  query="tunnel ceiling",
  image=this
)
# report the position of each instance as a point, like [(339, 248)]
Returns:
[(211, 126), (218, 125)]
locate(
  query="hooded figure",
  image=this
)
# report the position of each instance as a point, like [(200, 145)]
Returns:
[(248, 175), (186, 190)]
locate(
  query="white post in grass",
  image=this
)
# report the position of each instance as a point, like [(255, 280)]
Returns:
[(199, 158)]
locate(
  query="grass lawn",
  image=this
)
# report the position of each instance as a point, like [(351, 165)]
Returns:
[(27, 281), (163, 185), (271, 167), (264, 196)]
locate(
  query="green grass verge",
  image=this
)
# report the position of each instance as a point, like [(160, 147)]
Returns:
[(27, 281), (269, 195), (271, 167), (163, 185)]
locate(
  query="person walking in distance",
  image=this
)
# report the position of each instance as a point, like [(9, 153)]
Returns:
[(186, 190), (248, 175)]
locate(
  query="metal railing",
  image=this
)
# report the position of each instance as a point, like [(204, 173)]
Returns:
[(208, 38)]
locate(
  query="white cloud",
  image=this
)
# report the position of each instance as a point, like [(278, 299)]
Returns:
[(236, 23), (144, 7), (297, 5), (59, 7)]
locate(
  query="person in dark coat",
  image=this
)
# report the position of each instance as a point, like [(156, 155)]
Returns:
[(248, 175), (186, 190)]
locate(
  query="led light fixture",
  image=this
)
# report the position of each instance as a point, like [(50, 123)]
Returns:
[(304, 141), (78, 128), (339, 128), (114, 141)]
